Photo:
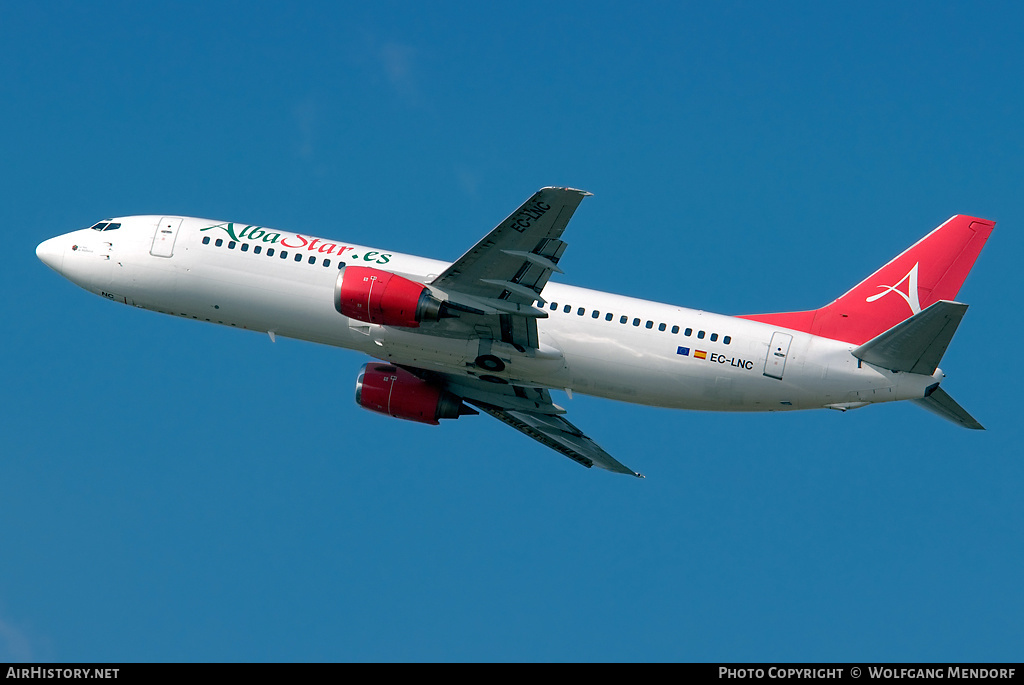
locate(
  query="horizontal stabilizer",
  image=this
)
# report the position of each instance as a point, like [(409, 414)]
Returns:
[(917, 344), (939, 402)]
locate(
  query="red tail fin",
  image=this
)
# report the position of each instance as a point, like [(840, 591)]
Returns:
[(932, 269)]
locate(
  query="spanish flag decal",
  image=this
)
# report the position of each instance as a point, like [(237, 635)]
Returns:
[(700, 354)]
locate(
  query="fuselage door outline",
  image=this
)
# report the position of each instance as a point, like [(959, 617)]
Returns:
[(166, 233), (778, 350)]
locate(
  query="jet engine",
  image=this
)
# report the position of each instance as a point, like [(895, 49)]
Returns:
[(388, 389), (381, 297)]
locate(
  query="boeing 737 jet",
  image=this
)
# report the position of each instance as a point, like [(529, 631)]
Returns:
[(490, 333)]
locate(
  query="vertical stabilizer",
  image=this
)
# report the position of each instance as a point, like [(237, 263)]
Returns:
[(931, 270)]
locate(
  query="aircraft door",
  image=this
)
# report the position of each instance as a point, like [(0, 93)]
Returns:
[(166, 233), (778, 350)]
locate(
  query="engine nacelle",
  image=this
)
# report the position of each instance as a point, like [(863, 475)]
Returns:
[(388, 389), (381, 297)]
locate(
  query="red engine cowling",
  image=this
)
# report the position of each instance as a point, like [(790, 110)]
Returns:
[(381, 297), (387, 389)]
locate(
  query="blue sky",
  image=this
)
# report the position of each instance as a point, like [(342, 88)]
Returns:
[(171, 491)]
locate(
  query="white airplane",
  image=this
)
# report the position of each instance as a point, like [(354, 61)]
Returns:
[(490, 331)]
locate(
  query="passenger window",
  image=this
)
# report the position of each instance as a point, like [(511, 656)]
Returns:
[(567, 308), (554, 306), (608, 316), (270, 252), (636, 322), (231, 244), (675, 330), (623, 319), (327, 262), (596, 314), (206, 240), (688, 332), (700, 335), (661, 326), (245, 247), (257, 249), (312, 260), (727, 339), (298, 257), (219, 242), (580, 311), (284, 254), (650, 324), (714, 337)]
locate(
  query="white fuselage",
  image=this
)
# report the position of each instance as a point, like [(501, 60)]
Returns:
[(591, 342)]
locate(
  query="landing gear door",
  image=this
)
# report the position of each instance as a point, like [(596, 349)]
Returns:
[(778, 350), (166, 233)]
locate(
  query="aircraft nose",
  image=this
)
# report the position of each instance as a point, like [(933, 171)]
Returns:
[(51, 253)]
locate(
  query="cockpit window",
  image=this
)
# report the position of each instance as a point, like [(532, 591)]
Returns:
[(112, 227), (106, 226), (100, 226)]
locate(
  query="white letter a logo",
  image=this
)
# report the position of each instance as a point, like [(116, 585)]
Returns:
[(910, 297)]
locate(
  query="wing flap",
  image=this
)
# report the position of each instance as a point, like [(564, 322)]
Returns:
[(511, 397)]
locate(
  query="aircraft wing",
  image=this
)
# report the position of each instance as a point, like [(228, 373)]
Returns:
[(531, 412), (503, 274), (494, 287), (560, 435)]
